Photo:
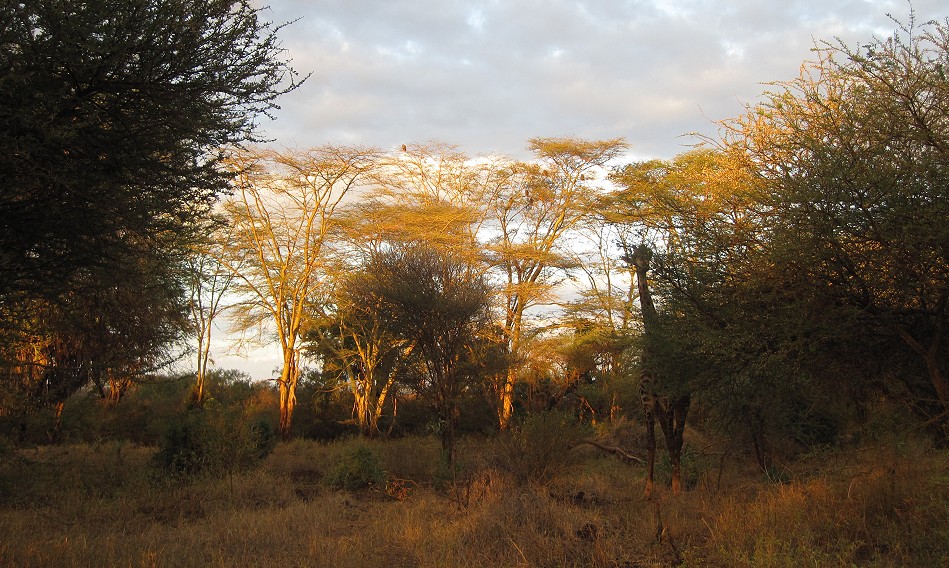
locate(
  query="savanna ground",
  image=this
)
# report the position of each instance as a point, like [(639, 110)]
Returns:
[(514, 500)]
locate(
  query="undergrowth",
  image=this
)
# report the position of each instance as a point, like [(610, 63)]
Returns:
[(98, 504)]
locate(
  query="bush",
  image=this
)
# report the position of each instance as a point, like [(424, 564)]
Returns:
[(692, 466), (357, 468), (541, 446), (213, 441)]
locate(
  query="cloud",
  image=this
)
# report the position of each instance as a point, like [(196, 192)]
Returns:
[(487, 75)]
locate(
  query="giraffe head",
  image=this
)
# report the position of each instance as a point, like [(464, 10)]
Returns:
[(639, 256)]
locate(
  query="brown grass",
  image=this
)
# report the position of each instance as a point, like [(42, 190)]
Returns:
[(103, 505)]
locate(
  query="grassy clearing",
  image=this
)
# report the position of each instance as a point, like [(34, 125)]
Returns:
[(105, 505)]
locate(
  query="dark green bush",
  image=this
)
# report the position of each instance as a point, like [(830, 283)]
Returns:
[(357, 468), (214, 441)]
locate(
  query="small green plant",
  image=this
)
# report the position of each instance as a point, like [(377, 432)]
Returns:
[(357, 468)]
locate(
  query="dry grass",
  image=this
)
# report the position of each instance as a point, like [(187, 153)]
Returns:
[(104, 506)]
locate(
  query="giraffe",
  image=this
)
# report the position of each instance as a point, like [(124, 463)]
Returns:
[(670, 410)]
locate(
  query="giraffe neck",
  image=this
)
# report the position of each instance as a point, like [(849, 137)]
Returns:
[(647, 392), (640, 257), (645, 298)]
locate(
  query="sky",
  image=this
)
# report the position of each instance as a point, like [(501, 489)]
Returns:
[(488, 75)]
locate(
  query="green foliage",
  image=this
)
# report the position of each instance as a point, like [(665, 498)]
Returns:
[(214, 441), (129, 101), (801, 266), (437, 301), (850, 166), (149, 410), (127, 105), (413, 458), (356, 468)]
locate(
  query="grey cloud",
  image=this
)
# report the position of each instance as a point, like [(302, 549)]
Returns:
[(488, 75)]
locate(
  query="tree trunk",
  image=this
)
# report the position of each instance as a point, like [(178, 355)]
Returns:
[(361, 409), (380, 405), (199, 390), (448, 438), (758, 441), (287, 402), (117, 389), (930, 358), (204, 357), (57, 423), (936, 377), (506, 402), (288, 394), (506, 408)]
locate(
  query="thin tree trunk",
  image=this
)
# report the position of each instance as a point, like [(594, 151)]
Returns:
[(361, 408), (506, 409), (204, 357), (288, 394), (117, 389), (287, 402), (448, 439), (57, 423), (380, 404), (930, 358), (506, 402), (936, 377)]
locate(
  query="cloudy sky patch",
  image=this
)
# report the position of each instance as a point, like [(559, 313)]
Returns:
[(488, 75)]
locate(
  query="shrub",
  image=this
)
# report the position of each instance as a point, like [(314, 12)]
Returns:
[(214, 441), (541, 446), (357, 468), (692, 465)]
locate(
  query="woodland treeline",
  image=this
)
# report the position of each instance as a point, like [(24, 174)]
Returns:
[(799, 261)]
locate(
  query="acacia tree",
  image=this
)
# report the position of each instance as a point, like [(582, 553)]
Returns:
[(283, 213), (851, 160), (124, 105), (601, 316), (433, 196), (539, 203), (209, 281), (108, 336), (111, 119), (352, 339), (439, 302)]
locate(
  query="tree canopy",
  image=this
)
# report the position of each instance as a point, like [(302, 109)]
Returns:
[(850, 169), (112, 116), (114, 120)]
